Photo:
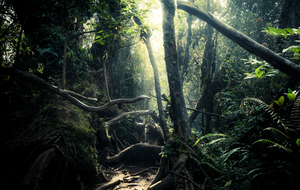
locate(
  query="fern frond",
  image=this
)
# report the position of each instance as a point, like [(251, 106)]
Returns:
[(267, 109), (276, 131), (295, 115), (278, 135), (273, 144)]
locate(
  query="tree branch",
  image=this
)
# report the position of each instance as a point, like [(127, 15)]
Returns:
[(207, 113), (241, 39), (63, 93), (137, 113)]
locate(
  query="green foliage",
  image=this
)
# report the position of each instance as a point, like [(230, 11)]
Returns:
[(284, 32), (262, 71), (293, 49)]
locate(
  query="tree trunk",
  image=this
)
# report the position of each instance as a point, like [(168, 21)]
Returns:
[(187, 47), (177, 100), (176, 93), (205, 100), (146, 38)]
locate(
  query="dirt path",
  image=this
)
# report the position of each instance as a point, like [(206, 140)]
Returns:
[(122, 177)]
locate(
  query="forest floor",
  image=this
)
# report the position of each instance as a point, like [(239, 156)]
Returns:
[(129, 176)]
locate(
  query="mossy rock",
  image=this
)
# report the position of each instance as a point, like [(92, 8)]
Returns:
[(76, 136)]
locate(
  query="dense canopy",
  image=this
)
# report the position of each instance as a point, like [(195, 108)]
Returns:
[(186, 94)]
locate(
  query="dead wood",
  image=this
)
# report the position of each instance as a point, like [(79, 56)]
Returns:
[(43, 84), (137, 153), (243, 40)]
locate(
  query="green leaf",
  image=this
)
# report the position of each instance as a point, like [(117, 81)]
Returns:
[(260, 74), (291, 31), (274, 30), (280, 101), (291, 96), (80, 48), (298, 142), (283, 32), (227, 184), (196, 142), (69, 54), (211, 135), (257, 71), (91, 56)]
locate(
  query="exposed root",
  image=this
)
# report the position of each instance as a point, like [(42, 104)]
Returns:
[(38, 167), (167, 182), (137, 173), (136, 152), (187, 179)]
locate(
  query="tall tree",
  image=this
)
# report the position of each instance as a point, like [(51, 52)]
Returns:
[(178, 107), (187, 46), (205, 101), (145, 36)]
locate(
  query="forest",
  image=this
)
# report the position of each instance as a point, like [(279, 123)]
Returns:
[(148, 94)]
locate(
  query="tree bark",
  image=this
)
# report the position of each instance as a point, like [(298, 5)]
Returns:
[(157, 88), (244, 41), (174, 79), (176, 93)]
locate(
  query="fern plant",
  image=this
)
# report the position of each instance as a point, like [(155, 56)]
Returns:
[(278, 138), (282, 140)]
